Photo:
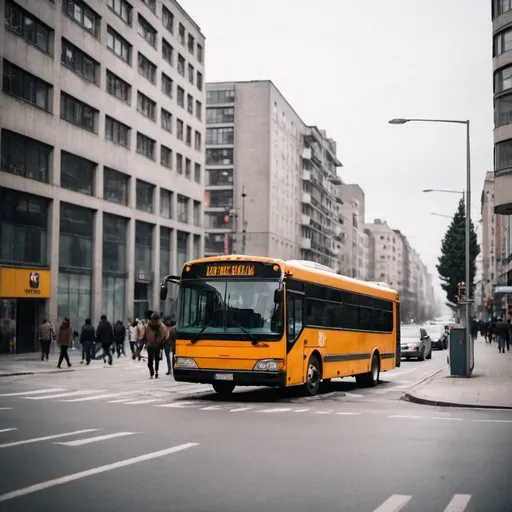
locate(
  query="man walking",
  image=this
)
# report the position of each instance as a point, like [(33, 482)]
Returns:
[(46, 334), (119, 336), (155, 335), (87, 341), (501, 333), (105, 335)]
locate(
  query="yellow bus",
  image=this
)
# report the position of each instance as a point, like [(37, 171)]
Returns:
[(254, 321)]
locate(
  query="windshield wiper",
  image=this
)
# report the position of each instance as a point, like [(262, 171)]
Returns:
[(195, 338), (254, 341)]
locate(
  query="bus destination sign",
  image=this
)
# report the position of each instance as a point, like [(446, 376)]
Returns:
[(232, 270), (241, 270)]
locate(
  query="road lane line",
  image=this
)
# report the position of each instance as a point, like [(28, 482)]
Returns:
[(5, 408), (241, 409), (98, 397), (147, 401), (274, 410), (458, 503), (447, 419), (323, 412), (211, 408), (94, 471), (38, 392), (403, 416), (302, 410), (348, 413), (119, 401), (492, 421), (353, 395), (81, 442), (177, 405), (47, 438), (7, 430), (394, 503), (63, 395)]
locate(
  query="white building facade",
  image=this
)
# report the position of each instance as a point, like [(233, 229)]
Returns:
[(101, 177)]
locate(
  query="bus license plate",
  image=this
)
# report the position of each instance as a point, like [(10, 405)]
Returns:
[(223, 376)]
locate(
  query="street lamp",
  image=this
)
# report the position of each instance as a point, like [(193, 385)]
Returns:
[(468, 219), (441, 215), (443, 190)]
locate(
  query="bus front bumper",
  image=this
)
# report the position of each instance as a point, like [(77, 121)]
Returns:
[(239, 378)]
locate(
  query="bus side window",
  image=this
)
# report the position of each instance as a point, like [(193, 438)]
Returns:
[(294, 308)]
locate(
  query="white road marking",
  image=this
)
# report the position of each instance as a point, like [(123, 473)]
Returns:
[(302, 410), (38, 392), (394, 503), (98, 397), (121, 400), (323, 412), (274, 410), (81, 442), (47, 438), (348, 413), (448, 419), (492, 421), (353, 395), (7, 430), (406, 417), (211, 408), (94, 471), (147, 401), (458, 503), (177, 405), (240, 409), (63, 395), (5, 408)]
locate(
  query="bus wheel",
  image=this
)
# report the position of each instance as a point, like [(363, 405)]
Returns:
[(223, 388), (370, 379), (313, 378)]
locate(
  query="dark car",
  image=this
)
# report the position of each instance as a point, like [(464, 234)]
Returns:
[(415, 342), (439, 336)]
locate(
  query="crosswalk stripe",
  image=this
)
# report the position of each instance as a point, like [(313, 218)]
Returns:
[(140, 402), (5, 408), (458, 503), (119, 401), (211, 408), (37, 392), (274, 410), (394, 503), (240, 409), (63, 395), (7, 430), (302, 410), (323, 412), (492, 421), (403, 416), (348, 413), (98, 397), (177, 405), (81, 442), (46, 438)]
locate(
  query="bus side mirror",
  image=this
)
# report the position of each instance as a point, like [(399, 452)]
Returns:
[(278, 296), (163, 291)]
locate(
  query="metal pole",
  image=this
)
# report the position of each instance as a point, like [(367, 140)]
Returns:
[(469, 284), (244, 195)]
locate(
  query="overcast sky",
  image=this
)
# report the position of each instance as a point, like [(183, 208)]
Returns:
[(349, 66)]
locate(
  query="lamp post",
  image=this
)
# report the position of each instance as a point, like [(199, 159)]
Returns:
[(244, 224), (468, 223), (441, 215)]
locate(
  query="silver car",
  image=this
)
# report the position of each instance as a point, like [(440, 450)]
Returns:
[(415, 342)]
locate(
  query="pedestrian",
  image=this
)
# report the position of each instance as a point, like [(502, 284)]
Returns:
[(46, 335), (132, 337), (474, 329), (105, 335), (140, 330), (64, 341), (170, 346), (87, 340), (154, 337), (119, 337), (501, 333)]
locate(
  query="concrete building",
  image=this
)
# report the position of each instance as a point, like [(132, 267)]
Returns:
[(502, 67), (270, 178), (102, 158)]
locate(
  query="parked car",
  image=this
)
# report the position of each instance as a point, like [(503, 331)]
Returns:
[(415, 342), (438, 335)]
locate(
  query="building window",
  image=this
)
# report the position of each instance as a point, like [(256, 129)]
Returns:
[(146, 68), (167, 85), (219, 136), (114, 243), (23, 228), (146, 146), (165, 251), (166, 120), (220, 115), (182, 213), (221, 198), (200, 53), (219, 157), (25, 157), (197, 141), (220, 97), (191, 74), (181, 97), (118, 88), (503, 80), (179, 163), (76, 236), (119, 45), (199, 110), (181, 34), (503, 110), (197, 247), (190, 104), (197, 213), (199, 81), (79, 62), (151, 4), (165, 203), (188, 138), (166, 156), (181, 64), (146, 106), (27, 26), (188, 168), (113, 290), (181, 249), (219, 177), (197, 173), (115, 186), (167, 52), (144, 196), (191, 44), (117, 132), (143, 248), (501, 7), (167, 19), (77, 173), (25, 86), (146, 31), (179, 129), (82, 14), (503, 42), (217, 220), (77, 112), (503, 155), (123, 9)]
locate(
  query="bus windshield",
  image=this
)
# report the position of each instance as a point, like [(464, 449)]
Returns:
[(229, 308)]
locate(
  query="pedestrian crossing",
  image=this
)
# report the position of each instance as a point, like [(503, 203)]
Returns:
[(399, 502)]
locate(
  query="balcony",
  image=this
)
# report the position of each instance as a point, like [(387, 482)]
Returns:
[(306, 153), (336, 180), (305, 243), (306, 198), (306, 220), (306, 175)]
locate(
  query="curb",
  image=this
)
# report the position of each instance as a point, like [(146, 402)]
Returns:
[(17, 374), (409, 397)]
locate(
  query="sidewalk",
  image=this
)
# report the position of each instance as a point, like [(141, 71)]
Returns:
[(490, 387)]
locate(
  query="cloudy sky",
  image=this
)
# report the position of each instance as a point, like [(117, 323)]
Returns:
[(349, 66)]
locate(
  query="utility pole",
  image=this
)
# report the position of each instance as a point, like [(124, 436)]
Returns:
[(244, 224)]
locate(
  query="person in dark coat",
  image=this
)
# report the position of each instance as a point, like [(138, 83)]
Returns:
[(119, 336), (105, 335), (87, 340)]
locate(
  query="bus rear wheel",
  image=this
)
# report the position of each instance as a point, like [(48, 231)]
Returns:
[(371, 378), (223, 388), (313, 377)]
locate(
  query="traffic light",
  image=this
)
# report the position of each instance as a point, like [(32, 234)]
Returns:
[(461, 291), (227, 217)]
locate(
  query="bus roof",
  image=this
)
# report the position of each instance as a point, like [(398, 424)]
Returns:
[(311, 271)]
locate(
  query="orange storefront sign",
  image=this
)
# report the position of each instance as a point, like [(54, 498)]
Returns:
[(27, 283)]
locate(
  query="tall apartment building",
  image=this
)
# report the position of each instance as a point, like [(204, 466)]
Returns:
[(102, 128), (270, 178)]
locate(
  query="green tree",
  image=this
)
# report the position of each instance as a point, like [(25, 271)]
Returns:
[(451, 265)]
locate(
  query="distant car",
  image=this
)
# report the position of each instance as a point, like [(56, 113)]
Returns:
[(438, 335), (415, 342)]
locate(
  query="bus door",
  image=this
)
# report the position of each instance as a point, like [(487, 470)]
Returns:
[(398, 355), (295, 314)]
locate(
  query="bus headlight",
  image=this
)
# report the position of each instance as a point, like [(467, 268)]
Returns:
[(185, 362), (269, 365)]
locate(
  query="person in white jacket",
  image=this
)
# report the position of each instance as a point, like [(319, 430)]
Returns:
[(132, 337)]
